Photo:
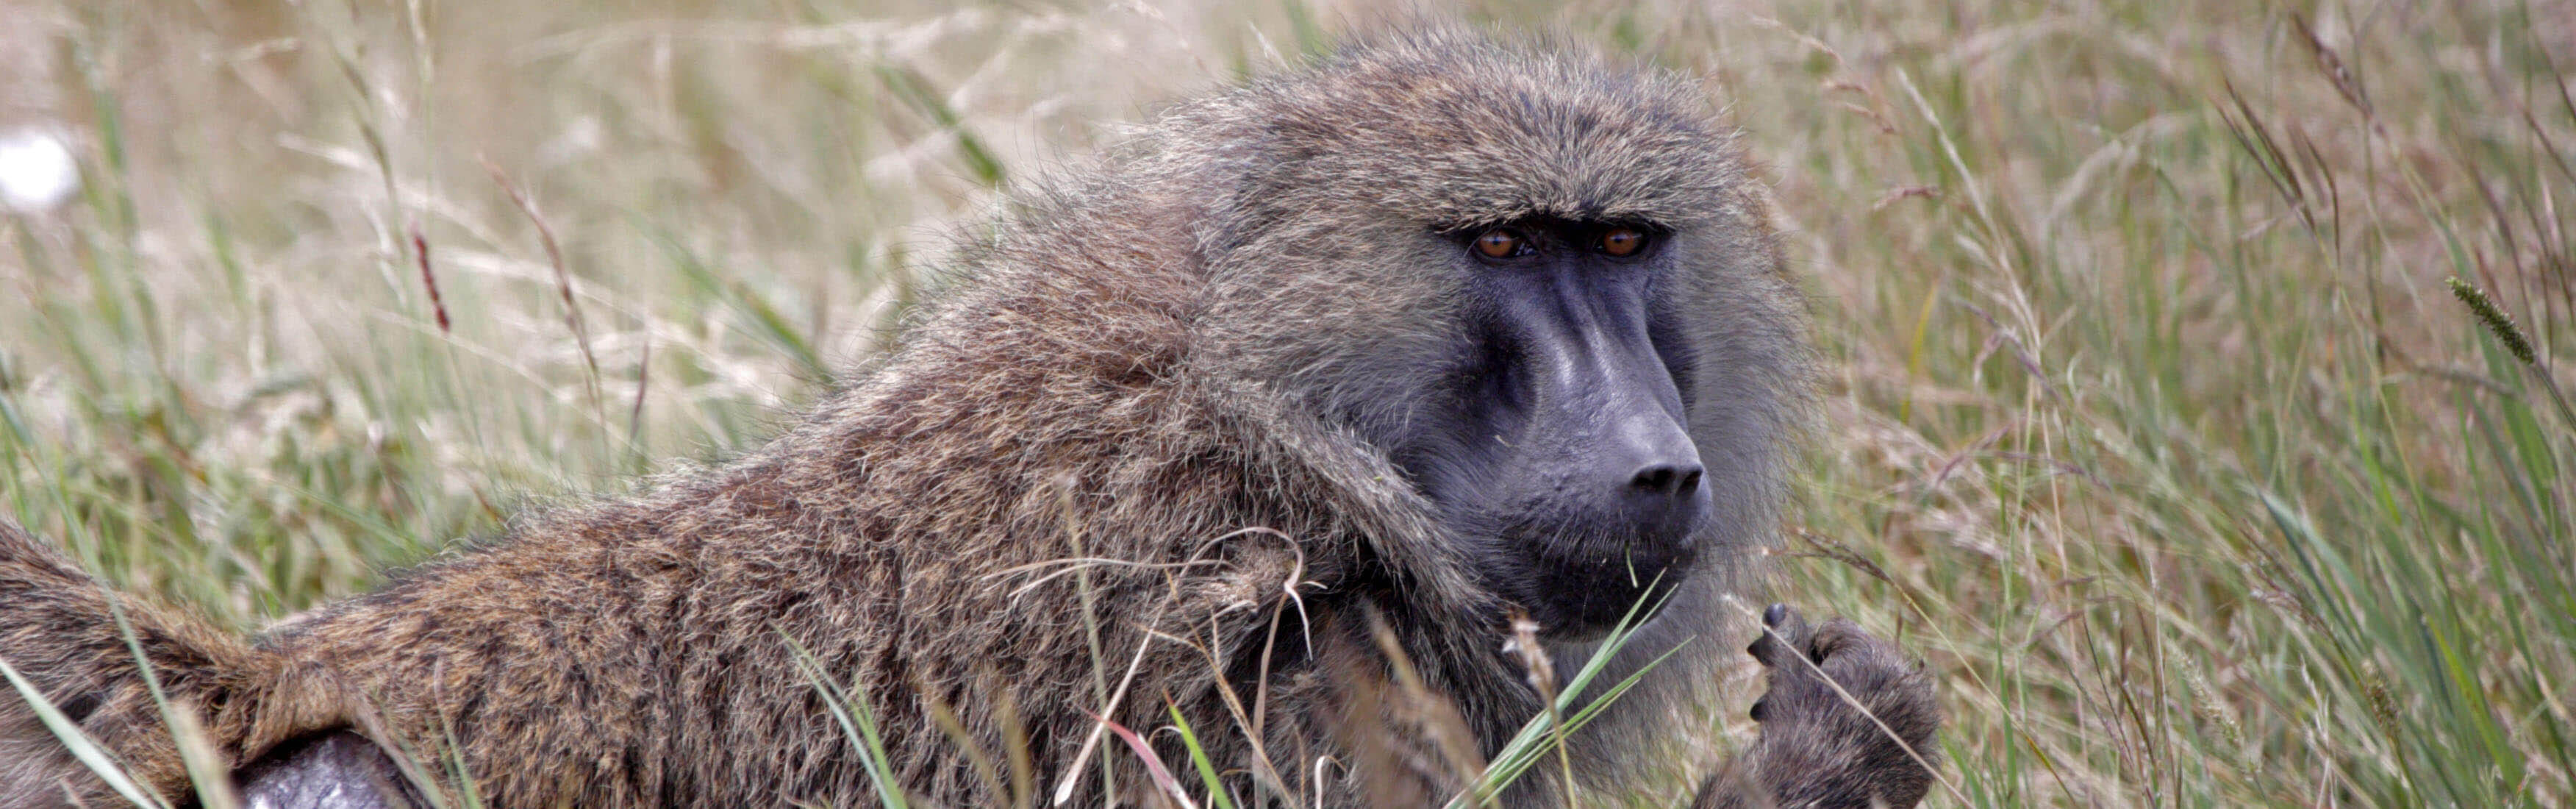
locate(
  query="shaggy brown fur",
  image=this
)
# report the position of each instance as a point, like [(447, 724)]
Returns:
[(1111, 469)]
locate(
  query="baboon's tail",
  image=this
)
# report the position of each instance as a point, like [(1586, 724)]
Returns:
[(67, 636)]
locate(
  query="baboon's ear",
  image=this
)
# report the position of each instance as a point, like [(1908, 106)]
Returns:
[(334, 769)]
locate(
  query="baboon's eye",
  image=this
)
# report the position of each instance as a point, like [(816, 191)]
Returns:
[(1622, 241), (1501, 243)]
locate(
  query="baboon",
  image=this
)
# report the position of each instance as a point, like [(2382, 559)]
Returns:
[(1318, 397)]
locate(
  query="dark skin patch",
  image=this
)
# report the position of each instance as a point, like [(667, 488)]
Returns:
[(335, 770)]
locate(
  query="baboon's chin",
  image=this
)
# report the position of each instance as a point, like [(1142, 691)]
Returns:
[(1583, 599)]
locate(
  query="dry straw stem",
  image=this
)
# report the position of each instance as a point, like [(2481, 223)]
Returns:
[(563, 277)]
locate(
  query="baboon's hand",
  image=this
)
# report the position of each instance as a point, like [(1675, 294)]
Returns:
[(1848, 722)]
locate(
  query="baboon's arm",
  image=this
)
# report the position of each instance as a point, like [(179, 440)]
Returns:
[(1818, 751)]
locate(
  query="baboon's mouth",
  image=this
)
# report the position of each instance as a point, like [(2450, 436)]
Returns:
[(1582, 592)]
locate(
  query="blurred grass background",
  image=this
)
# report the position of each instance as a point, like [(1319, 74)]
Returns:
[(2154, 420)]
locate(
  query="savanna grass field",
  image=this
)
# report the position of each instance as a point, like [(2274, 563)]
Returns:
[(2197, 374)]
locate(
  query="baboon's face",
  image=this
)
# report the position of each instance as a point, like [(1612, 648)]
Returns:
[(1543, 289), (1556, 437)]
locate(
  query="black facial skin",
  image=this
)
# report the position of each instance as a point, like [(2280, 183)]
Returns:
[(1560, 445)]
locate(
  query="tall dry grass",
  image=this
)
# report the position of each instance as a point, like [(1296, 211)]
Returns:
[(2156, 421)]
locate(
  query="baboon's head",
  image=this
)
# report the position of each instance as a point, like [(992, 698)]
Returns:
[(1540, 285)]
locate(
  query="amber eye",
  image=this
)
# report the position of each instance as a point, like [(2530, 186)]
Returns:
[(1500, 243), (1623, 241)]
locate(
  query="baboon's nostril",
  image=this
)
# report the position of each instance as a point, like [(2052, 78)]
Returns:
[(1655, 478), (1667, 479)]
